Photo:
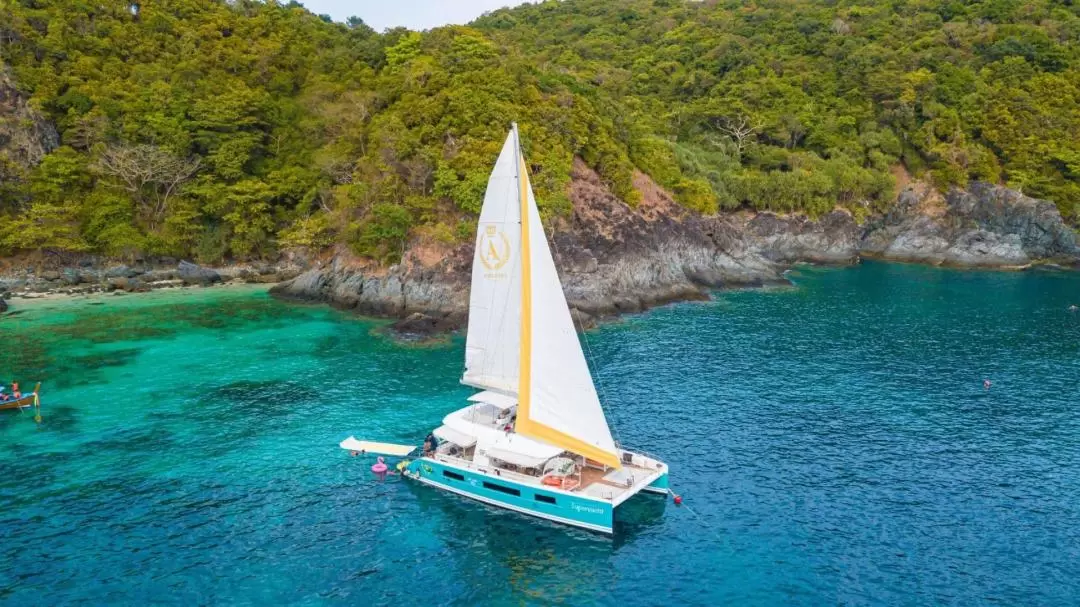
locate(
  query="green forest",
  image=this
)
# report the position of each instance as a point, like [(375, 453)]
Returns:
[(232, 130)]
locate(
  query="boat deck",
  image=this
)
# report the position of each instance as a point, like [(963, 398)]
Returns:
[(615, 486)]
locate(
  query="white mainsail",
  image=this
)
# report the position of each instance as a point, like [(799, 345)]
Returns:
[(521, 338)]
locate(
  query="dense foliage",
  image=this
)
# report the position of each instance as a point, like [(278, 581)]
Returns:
[(233, 129)]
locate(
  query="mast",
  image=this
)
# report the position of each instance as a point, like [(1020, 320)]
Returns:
[(525, 355)]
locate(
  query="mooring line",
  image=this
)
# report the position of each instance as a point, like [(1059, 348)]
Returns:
[(679, 502)]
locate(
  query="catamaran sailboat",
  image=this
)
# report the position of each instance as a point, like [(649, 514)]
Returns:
[(534, 439)]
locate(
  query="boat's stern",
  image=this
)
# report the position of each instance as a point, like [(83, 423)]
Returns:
[(660, 485), (647, 473)]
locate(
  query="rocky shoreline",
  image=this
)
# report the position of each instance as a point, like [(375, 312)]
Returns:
[(614, 259), (89, 275)]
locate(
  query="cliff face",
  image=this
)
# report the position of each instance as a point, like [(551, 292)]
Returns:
[(25, 136), (985, 225), (614, 259)]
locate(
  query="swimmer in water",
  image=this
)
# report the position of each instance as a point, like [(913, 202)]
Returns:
[(986, 384)]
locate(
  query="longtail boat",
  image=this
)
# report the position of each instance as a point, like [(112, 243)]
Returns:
[(29, 399)]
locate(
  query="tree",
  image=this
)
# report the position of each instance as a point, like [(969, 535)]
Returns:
[(740, 128), (151, 175), (217, 128)]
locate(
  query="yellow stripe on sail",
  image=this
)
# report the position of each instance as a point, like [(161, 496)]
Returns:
[(535, 429), (525, 354), (525, 425)]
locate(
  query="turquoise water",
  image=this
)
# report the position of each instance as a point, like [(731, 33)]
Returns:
[(833, 442)]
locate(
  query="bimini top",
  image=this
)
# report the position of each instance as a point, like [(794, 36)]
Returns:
[(509, 447), (521, 450), (501, 401), (460, 439)]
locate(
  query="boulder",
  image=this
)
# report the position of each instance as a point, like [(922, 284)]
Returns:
[(135, 285), (120, 271), (419, 324), (50, 275), (194, 274), (3, 305), (130, 285), (159, 275), (416, 324)]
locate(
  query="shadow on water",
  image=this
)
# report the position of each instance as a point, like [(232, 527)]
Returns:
[(263, 399), (111, 358), (134, 441), (637, 515), (59, 419), (231, 414)]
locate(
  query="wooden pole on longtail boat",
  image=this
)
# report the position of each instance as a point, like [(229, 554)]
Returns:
[(37, 403)]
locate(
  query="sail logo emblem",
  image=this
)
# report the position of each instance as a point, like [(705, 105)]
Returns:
[(493, 247)]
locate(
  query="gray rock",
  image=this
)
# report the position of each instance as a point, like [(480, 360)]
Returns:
[(985, 225), (582, 320), (833, 239), (416, 323), (130, 285), (159, 275), (3, 305), (998, 209), (982, 248), (194, 274), (121, 271)]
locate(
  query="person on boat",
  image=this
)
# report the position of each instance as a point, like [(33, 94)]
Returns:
[(430, 444), (15, 390), (3, 395)]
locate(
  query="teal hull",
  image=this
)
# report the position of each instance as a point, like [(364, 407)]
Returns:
[(557, 506), (660, 485)]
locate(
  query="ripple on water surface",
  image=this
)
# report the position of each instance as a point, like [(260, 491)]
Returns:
[(832, 439)]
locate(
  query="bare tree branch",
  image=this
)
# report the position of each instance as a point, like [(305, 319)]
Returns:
[(150, 174), (740, 129)]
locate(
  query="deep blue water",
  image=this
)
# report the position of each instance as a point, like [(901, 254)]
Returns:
[(833, 442)]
